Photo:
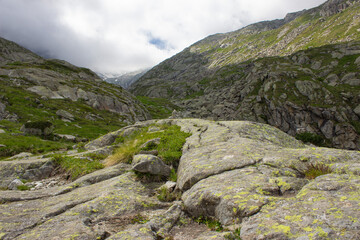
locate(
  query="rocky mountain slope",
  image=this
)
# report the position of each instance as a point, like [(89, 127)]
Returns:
[(283, 190), (75, 100), (300, 74)]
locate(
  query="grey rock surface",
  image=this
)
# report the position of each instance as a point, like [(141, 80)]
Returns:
[(150, 164)]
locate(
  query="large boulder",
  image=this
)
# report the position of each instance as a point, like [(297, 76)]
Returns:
[(40, 128), (150, 164)]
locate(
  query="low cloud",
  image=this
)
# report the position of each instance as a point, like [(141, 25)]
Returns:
[(117, 36)]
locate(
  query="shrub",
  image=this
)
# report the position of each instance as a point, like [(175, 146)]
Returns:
[(313, 138), (23, 187), (314, 170)]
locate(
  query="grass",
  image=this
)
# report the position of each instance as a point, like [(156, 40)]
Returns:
[(77, 167), (166, 196), (159, 108), (172, 140), (211, 223), (17, 144), (23, 188), (315, 170)]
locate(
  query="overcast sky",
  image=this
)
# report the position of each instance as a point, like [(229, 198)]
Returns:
[(113, 36)]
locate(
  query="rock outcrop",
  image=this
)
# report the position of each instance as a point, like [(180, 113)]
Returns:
[(59, 80), (254, 179)]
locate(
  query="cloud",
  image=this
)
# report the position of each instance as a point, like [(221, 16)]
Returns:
[(116, 36)]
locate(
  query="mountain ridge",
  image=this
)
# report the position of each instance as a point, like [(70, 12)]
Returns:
[(218, 77)]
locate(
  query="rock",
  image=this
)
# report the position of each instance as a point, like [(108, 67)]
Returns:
[(23, 155), (40, 128), (67, 137), (328, 129), (150, 144), (65, 115), (307, 88), (169, 186), (45, 92), (2, 131), (14, 184), (161, 225), (152, 152), (357, 61), (351, 79), (285, 219), (357, 110), (332, 80), (2, 145), (153, 129), (150, 164)]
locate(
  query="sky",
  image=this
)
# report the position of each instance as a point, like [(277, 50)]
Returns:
[(117, 36)]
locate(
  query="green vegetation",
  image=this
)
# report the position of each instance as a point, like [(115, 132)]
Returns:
[(171, 137), (23, 188), (165, 195), (308, 137), (18, 143), (77, 167), (159, 108), (139, 219), (314, 170), (211, 223), (26, 106), (38, 125)]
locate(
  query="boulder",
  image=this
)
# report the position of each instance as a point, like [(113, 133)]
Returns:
[(150, 164), (2, 131), (65, 115), (14, 184), (67, 137), (357, 61), (357, 110), (40, 128), (45, 92)]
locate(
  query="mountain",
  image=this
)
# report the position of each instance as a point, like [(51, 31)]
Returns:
[(300, 74), (125, 80), (75, 100)]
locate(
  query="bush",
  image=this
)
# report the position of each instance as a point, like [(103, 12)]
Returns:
[(308, 137), (315, 170), (166, 196)]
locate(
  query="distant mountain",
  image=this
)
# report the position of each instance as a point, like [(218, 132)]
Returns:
[(124, 80), (300, 74)]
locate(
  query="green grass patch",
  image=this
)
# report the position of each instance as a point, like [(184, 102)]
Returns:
[(211, 223), (77, 167), (159, 108), (23, 188), (17, 144), (171, 137)]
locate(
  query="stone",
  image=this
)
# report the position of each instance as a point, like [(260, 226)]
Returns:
[(328, 129), (169, 186), (150, 144), (14, 184), (307, 88), (2, 145), (45, 92), (357, 110), (332, 80), (65, 115), (2, 131), (67, 137), (150, 164), (357, 61)]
